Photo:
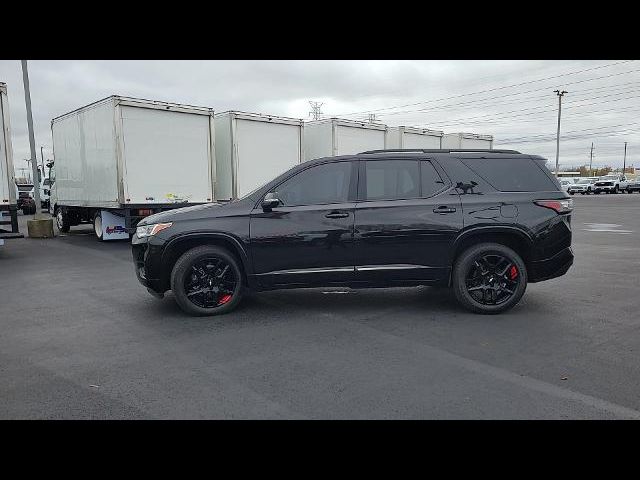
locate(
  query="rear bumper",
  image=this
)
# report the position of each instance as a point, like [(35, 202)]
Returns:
[(553, 267)]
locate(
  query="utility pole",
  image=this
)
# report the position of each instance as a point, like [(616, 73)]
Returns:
[(40, 226), (315, 109), (624, 163), (591, 160), (560, 94)]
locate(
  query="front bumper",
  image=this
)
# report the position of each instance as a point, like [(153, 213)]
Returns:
[(146, 261), (553, 267)]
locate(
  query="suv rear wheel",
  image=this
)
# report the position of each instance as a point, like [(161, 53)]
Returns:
[(489, 278), (207, 280)]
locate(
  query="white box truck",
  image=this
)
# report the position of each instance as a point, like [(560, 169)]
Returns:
[(8, 188), (252, 149), (121, 159), (467, 141), (411, 137), (335, 136)]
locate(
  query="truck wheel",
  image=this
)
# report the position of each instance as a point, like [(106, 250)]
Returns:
[(489, 278), (97, 225), (62, 220), (207, 280)]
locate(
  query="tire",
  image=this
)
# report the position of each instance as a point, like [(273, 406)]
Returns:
[(62, 220), (97, 226), (571, 193), (183, 268), (582, 193), (596, 192), (628, 190), (616, 190), (466, 263)]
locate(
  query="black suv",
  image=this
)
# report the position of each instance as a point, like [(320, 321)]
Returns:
[(485, 222)]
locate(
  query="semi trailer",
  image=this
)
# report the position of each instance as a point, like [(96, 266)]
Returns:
[(251, 149), (335, 136), (8, 189), (467, 141), (412, 137), (121, 159)]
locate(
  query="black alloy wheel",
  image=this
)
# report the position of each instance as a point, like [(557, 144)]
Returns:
[(493, 279), (489, 278), (207, 280), (211, 282)]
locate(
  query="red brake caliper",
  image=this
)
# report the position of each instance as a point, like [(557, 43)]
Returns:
[(513, 272), (225, 299)]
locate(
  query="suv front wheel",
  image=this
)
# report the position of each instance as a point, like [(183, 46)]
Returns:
[(207, 280), (489, 278)]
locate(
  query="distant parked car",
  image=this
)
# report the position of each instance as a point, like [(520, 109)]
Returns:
[(565, 183), (633, 186), (584, 186), (612, 183), (25, 198)]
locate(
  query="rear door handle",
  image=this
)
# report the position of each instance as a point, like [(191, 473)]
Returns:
[(444, 209), (337, 214)]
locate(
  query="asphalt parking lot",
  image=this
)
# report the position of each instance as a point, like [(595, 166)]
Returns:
[(80, 338)]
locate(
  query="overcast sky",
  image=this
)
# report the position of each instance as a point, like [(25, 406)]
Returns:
[(507, 99)]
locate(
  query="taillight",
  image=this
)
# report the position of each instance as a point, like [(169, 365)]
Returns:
[(560, 206), (144, 212)]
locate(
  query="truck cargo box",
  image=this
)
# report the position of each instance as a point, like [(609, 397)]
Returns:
[(467, 140), (8, 206), (334, 136), (252, 149), (411, 137), (125, 151)]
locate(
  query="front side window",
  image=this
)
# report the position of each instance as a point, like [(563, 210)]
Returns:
[(320, 185), (392, 179)]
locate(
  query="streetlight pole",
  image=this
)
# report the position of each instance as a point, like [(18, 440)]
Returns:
[(32, 142), (560, 94), (40, 226), (624, 163)]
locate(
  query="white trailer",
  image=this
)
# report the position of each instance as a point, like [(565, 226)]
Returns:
[(335, 136), (121, 159), (252, 149), (411, 137), (8, 205), (467, 141)]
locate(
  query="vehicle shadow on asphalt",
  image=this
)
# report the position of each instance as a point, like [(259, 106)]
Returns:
[(430, 303)]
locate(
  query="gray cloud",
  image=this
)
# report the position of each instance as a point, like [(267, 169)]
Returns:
[(345, 87)]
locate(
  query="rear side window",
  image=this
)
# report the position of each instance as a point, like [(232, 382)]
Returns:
[(511, 174), (392, 180)]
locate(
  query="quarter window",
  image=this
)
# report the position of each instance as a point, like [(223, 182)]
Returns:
[(319, 185)]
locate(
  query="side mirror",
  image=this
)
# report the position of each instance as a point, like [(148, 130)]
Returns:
[(270, 201)]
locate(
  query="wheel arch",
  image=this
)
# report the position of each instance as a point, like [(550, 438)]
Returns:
[(513, 237), (179, 245)]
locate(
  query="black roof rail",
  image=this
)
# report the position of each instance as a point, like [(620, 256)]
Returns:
[(446, 150)]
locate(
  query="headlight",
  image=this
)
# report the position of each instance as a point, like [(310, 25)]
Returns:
[(150, 230)]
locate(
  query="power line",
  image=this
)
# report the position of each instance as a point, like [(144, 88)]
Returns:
[(497, 88)]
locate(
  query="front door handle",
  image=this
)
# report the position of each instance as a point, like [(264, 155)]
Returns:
[(337, 214), (444, 209)]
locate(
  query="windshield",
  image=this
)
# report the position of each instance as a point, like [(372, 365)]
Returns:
[(584, 181), (24, 187)]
